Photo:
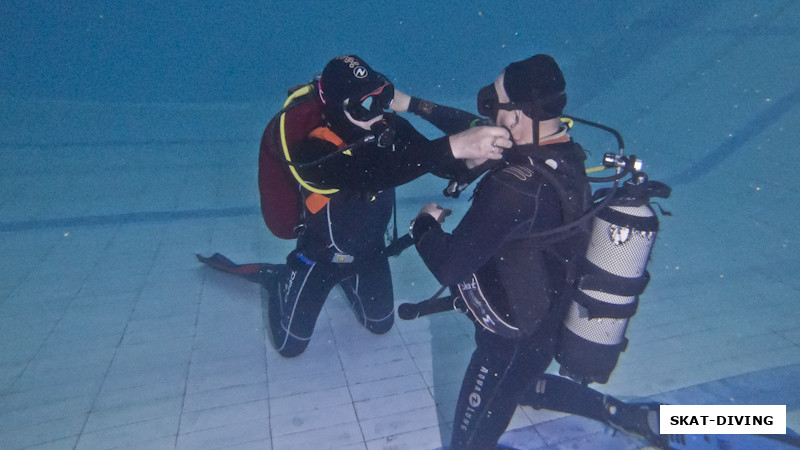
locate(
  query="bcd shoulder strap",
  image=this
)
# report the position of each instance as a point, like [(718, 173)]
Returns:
[(326, 134), (315, 201)]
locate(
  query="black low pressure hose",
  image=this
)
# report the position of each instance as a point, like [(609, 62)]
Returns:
[(358, 144), (616, 133)]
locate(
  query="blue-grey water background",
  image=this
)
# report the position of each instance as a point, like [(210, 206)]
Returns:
[(128, 142)]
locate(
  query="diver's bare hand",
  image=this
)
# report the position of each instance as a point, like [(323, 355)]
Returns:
[(436, 211), (480, 143)]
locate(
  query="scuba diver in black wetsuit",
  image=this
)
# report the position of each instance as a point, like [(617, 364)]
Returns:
[(502, 252), (364, 153)]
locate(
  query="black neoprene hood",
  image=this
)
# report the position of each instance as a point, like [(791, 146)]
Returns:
[(348, 77), (539, 82)]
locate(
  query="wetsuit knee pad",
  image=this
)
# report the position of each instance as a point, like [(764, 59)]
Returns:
[(380, 326), (282, 340), (287, 345), (293, 348)]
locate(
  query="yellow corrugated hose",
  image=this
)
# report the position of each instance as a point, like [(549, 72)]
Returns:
[(298, 93)]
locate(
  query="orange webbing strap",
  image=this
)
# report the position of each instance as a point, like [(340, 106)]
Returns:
[(316, 201), (326, 134)]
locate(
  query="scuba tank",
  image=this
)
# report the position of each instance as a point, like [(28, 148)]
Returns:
[(610, 278)]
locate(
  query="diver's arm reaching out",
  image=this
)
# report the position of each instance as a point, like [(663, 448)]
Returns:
[(475, 144), (448, 120)]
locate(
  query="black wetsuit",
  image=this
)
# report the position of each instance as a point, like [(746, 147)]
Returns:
[(521, 271), (343, 243), (497, 240)]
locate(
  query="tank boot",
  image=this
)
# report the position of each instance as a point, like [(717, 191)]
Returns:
[(640, 419)]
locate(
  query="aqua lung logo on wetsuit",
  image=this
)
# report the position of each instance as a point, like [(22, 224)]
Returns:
[(359, 71), (474, 398)]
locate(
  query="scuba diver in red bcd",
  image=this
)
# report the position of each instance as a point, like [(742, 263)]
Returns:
[(328, 166), (511, 264)]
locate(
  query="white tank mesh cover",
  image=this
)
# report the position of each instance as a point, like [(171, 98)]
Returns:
[(637, 211), (620, 250), (603, 331)]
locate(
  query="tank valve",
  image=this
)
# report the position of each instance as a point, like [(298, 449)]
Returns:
[(612, 160)]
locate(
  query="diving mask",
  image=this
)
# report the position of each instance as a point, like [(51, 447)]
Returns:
[(373, 104), (489, 104)]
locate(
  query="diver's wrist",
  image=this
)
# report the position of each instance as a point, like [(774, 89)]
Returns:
[(421, 225)]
